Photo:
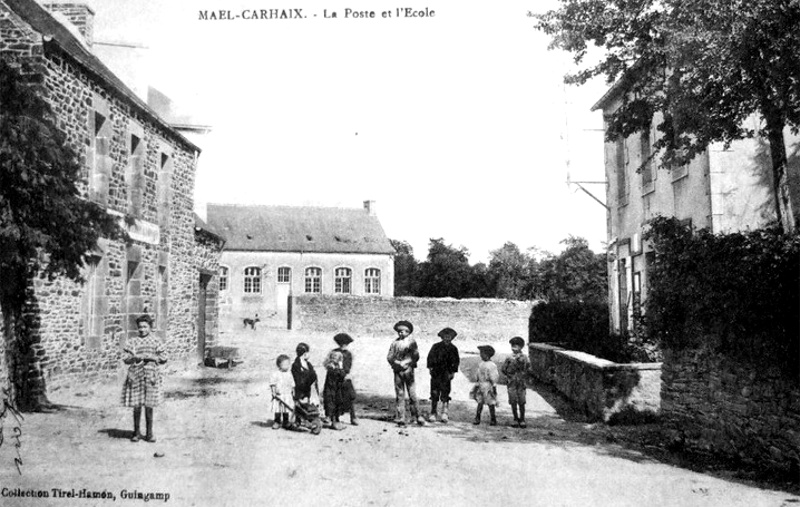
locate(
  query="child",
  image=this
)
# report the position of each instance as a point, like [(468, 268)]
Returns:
[(485, 389), (305, 378), (343, 340), (443, 364), (282, 386), (403, 357), (516, 368), (334, 395)]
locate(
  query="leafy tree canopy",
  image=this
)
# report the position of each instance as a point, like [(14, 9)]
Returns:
[(707, 65)]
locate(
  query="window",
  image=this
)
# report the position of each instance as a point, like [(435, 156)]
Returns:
[(636, 299), (623, 296), (284, 274), (313, 280), (622, 180), (647, 168), (252, 280), (162, 299), (342, 279), (95, 274), (372, 281), (163, 186), (223, 278), (134, 177), (679, 172), (100, 160)]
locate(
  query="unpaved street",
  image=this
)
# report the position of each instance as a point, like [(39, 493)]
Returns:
[(218, 448)]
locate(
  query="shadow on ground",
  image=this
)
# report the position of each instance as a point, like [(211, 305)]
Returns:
[(117, 433), (643, 443)]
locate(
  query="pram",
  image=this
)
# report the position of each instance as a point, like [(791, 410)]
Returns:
[(306, 412)]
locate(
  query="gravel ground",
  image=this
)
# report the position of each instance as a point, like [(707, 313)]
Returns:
[(216, 447)]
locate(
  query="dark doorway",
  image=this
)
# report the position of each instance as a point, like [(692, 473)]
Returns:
[(201, 316)]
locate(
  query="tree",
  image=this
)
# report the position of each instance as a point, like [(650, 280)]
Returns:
[(509, 272), (707, 65), (446, 272), (576, 274), (406, 269), (46, 228)]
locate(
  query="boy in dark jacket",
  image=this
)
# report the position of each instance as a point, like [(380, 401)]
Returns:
[(443, 364)]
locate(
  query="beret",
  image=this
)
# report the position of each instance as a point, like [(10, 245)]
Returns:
[(405, 323), (448, 331), (342, 339)]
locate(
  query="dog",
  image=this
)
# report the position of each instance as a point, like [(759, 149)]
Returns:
[(251, 322)]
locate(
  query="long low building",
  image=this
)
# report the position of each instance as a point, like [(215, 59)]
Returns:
[(273, 252)]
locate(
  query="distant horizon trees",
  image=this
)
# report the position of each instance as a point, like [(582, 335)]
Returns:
[(575, 274)]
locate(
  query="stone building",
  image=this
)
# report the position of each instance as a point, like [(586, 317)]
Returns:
[(273, 252), (724, 190), (135, 165)]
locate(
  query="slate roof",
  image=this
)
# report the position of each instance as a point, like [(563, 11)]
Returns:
[(299, 229), (56, 34)]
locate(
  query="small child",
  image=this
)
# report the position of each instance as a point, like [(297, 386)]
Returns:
[(485, 389), (516, 369), (282, 386), (443, 364), (343, 340), (305, 377), (334, 395)]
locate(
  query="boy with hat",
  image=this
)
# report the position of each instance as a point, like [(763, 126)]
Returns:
[(485, 389), (516, 368), (403, 357), (443, 364)]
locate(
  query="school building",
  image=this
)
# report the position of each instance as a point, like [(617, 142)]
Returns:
[(273, 252)]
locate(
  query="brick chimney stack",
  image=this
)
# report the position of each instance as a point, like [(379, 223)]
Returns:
[(370, 207), (79, 14)]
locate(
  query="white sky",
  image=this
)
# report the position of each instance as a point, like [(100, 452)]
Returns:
[(455, 125)]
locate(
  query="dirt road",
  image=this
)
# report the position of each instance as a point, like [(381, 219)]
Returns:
[(219, 450)]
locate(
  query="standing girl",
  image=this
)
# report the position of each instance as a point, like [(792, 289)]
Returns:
[(282, 386), (144, 356), (485, 390)]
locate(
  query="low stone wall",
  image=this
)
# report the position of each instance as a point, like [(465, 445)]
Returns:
[(473, 319), (603, 389), (716, 405)]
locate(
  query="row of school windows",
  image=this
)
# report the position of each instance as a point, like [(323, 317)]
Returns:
[(343, 279)]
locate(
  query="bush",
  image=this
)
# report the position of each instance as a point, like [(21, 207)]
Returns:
[(736, 293), (583, 327)]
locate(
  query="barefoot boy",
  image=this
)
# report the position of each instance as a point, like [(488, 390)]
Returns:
[(516, 368), (403, 357)]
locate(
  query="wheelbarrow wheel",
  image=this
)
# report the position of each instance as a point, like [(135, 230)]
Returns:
[(316, 426)]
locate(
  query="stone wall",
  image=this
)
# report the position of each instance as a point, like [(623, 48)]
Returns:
[(602, 389), (714, 404), (473, 319)]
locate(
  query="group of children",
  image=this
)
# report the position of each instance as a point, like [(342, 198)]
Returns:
[(298, 382)]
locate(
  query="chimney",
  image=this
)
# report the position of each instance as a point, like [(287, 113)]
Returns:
[(370, 207), (79, 14)]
